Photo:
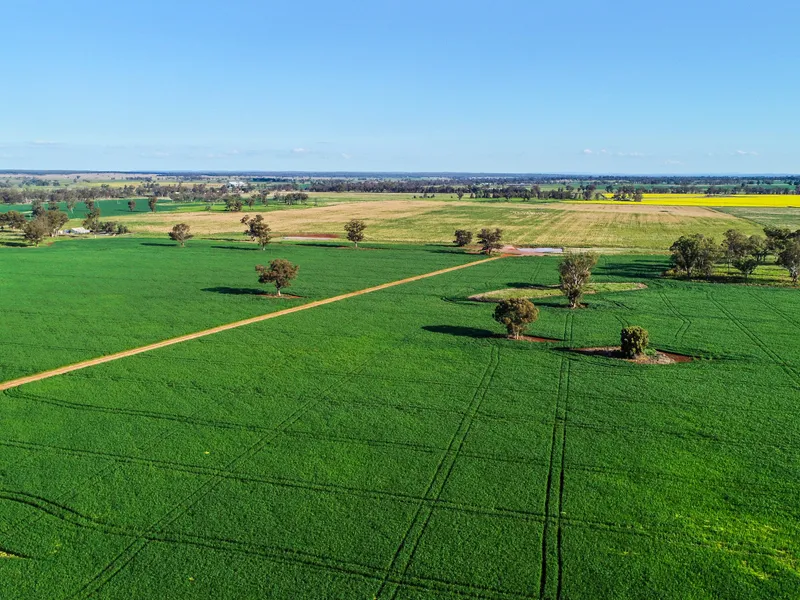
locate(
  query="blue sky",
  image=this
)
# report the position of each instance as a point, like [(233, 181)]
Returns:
[(503, 86)]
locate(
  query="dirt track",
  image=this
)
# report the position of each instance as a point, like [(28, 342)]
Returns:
[(198, 334)]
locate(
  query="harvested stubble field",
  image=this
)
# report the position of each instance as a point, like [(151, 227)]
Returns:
[(561, 224), (742, 200), (390, 446)]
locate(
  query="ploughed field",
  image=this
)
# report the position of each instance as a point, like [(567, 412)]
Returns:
[(392, 445)]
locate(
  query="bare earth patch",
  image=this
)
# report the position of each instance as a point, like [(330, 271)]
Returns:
[(532, 338), (659, 358)]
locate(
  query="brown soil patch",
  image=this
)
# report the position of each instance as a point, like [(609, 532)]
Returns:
[(198, 334), (660, 358)]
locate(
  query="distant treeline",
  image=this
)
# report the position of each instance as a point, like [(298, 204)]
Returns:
[(526, 188)]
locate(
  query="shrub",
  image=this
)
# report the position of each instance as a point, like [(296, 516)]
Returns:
[(633, 341), (516, 314)]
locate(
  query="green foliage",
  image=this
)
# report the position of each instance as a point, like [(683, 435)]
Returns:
[(180, 233), (490, 240), (35, 230), (516, 314), (257, 230), (694, 254), (355, 230), (12, 219), (280, 272), (574, 273), (633, 341), (463, 237), (789, 258)]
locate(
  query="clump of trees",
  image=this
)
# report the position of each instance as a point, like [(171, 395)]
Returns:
[(152, 203), (257, 230), (233, 203), (131, 205), (355, 230), (35, 230), (516, 314), (574, 274), (280, 272), (490, 240), (12, 219), (633, 341), (180, 233), (696, 254), (463, 237)]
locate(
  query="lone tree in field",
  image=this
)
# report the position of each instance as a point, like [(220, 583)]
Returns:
[(151, 203), (574, 273), (36, 230), (516, 314), (257, 230), (490, 240), (131, 205), (694, 254), (789, 259), (280, 272), (463, 237), (355, 230), (633, 341), (180, 233)]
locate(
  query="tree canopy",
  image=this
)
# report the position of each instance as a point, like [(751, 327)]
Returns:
[(280, 272)]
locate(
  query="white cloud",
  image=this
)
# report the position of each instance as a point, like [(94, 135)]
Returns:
[(299, 150), (588, 151), (673, 162), (746, 153), (346, 156), (44, 143)]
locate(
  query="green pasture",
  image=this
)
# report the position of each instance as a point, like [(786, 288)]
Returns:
[(395, 445)]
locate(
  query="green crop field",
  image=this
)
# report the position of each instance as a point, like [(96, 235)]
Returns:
[(393, 445), (80, 299)]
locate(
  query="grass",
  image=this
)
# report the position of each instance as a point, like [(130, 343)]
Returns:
[(535, 292), (389, 446)]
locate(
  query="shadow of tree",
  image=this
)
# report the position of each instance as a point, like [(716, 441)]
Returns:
[(457, 330), (236, 291)]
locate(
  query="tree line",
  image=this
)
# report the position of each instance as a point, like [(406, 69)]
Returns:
[(697, 255)]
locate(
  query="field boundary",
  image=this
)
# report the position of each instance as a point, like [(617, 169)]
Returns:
[(12, 383)]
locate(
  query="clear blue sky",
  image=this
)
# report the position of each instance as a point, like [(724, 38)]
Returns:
[(503, 86)]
